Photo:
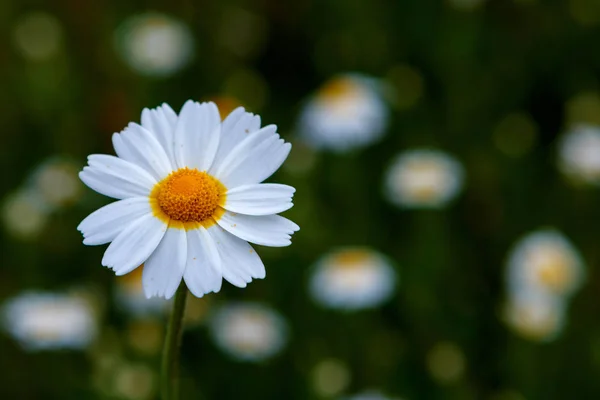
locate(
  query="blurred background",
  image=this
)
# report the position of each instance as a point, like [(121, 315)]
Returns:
[(446, 156)]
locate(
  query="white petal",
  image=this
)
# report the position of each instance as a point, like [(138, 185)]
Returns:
[(117, 178), (164, 269), (254, 159), (140, 147), (134, 244), (235, 128), (103, 225), (239, 261), (161, 122), (203, 269), (197, 135), (266, 230), (259, 199)]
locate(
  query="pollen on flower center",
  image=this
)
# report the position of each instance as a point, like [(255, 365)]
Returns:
[(188, 196)]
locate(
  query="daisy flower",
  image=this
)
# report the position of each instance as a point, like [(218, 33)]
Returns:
[(190, 198), (579, 155), (47, 321), (352, 278), (423, 178), (348, 112), (547, 261), (535, 315), (249, 331), (155, 44)]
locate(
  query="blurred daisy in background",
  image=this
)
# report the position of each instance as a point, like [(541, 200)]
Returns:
[(130, 297), (579, 155), (44, 321), (346, 113), (190, 198), (352, 278), (155, 44), (545, 261), (248, 331), (535, 316), (423, 178), (544, 270)]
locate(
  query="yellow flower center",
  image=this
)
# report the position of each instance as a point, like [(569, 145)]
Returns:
[(555, 274), (352, 258), (188, 198), (339, 89)]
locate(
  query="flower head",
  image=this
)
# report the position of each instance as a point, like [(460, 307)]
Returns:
[(535, 315), (190, 198), (545, 261), (155, 44), (423, 178), (579, 155), (248, 331), (41, 321), (352, 279), (347, 112)]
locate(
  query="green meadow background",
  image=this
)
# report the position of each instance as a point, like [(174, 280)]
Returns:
[(471, 65)]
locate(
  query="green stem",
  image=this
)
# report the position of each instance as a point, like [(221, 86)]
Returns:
[(170, 361)]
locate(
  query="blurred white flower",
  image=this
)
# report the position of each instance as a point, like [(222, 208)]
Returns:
[(535, 315), (130, 297), (579, 154), (248, 331), (352, 279), (23, 214), (43, 321), (423, 178), (347, 112), (38, 35), (155, 44), (545, 261), (56, 182), (330, 377)]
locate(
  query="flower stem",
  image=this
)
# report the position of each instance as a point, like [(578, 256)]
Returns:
[(170, 361)]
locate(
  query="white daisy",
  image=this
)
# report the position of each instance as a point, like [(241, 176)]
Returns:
[(545, 261), (190, 198), (579, 154), (248, 331), (535, 315), (352, 279), (423, 178), (347, 112), (155, 44), (41, 321)]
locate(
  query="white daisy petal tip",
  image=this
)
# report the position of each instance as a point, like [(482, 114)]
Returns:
[(162, 165)]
